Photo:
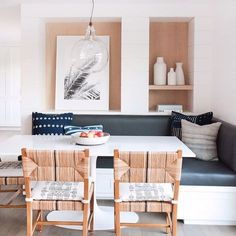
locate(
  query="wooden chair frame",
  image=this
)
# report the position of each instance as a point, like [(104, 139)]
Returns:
[(87, 202), (17, 181), (10, 202), (171, 218)]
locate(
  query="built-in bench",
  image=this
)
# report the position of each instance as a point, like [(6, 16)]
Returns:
[(208, 188)]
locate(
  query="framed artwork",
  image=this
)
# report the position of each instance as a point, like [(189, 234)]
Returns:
[(77, 89)]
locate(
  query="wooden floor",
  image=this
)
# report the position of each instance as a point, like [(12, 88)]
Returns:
[(13, 223)]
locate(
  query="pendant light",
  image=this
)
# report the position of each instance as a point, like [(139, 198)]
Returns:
[(89, 54)]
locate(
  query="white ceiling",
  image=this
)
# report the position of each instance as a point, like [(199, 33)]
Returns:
[(5, 3)]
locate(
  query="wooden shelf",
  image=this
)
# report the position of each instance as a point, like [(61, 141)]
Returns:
[(171, 87)]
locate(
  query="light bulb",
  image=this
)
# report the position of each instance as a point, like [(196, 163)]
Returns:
[(89, 54)]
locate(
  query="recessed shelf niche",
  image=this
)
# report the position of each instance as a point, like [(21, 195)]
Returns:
[(113, 29), (169, 40)]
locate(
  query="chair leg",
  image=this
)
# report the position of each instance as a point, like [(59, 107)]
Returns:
[(117, 219), (85, 220), (29, 219), (40, 227), (114, 217), (167, 222), (92, 212), (174, 220)]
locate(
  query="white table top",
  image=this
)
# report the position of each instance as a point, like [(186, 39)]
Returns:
[(11, 147)]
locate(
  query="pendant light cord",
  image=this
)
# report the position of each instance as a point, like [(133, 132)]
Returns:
[(91, 17)]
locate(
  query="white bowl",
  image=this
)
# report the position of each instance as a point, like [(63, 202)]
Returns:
[(90, 141)]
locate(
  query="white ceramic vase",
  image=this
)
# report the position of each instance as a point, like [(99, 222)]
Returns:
[(171, 77), (160, 72), (179, 74)]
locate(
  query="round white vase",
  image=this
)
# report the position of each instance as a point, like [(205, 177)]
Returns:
[(171, 77), (179, 74), (160, 72)]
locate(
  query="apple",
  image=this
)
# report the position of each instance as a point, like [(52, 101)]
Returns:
[(100, 134), (83, 135)]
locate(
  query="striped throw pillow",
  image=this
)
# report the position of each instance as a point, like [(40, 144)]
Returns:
[(201, 139), (75, 129)]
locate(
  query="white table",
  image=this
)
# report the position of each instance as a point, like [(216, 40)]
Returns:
[(103, 218)]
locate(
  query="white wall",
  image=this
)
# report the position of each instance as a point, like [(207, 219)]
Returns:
[(10, 36), (212, 59), (224, 70), (135, 19), (10, 25)]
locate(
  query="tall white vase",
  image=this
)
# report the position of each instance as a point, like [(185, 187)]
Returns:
[(179, 74), (160, 72)]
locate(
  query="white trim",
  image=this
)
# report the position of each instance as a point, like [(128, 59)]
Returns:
[(112, 112), (207, 205), (10, 128), (209, 222)]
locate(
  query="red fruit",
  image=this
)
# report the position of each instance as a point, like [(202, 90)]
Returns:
[(84, 135), (100, 134)]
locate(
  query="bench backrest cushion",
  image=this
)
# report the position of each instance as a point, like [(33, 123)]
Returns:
[(226, 144), (127, 124)]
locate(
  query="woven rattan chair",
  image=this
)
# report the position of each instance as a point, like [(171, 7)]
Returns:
[(61, 182), (11, 181), (147, 182)]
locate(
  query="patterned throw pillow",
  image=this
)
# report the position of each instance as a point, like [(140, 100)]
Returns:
[(78, 129), (176, 117), (50, 124)]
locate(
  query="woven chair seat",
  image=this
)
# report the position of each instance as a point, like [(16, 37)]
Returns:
[(146, 192), (57, 190), (11, 169)]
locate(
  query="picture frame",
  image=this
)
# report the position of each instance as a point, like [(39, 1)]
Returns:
[(90, 90)]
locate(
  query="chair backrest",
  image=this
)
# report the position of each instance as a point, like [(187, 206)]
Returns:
[(55, 165), (148, 167)]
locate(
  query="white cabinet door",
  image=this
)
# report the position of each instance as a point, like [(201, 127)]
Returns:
[(10, 74), (104, 184), (13, 73), (2, 112), (12, 113), (3, 62)]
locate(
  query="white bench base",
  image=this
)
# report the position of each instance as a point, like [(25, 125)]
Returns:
[(205, 205)]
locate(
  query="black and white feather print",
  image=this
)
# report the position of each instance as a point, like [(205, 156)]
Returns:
[(77, 85)]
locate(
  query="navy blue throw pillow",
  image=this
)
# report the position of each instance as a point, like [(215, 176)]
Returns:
[(176, 117), (50, 124)]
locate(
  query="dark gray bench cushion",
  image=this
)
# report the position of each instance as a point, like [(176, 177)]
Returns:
[(127, 124), (207, 173), (195, 172), (226, 144)]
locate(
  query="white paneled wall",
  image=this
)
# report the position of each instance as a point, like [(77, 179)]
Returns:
[(224, 68), (134, 49), (200, 48), (134, 64), (10, 74)]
